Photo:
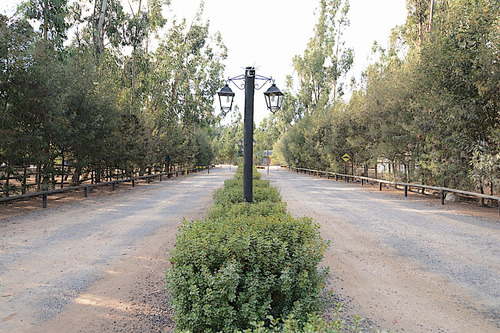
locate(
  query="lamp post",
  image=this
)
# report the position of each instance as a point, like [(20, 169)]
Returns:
[(274, 101)]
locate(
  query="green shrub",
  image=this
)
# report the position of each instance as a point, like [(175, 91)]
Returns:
[(239, 173), (264, 208), (232, 192), (245, 262)]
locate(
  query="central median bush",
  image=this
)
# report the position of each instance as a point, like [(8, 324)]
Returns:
[(246, 263)]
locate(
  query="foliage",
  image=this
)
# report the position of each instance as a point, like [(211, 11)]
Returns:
[(105, 99), (425, 106), (245, 262), (325, 60)]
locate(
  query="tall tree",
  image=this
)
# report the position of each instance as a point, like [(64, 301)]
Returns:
[(52, 15), (326, 59)]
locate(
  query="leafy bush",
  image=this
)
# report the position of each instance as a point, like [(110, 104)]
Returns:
[(245, 262), (264, 208), (231, 193)]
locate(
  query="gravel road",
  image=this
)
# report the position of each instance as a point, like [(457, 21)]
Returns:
[(406, 264), (97, 265)]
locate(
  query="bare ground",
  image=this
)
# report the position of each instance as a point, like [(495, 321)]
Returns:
[(97, 265), (404, 264)]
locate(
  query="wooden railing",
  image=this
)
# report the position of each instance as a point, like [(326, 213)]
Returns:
[(406, 186), (113, 183)]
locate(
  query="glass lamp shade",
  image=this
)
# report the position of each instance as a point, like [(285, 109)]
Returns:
[(226, 97), (274, 98)]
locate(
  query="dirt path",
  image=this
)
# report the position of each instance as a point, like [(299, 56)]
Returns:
[(406, 264), (97, 265)]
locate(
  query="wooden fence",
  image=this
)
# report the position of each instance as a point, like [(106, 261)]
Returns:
[(406, 186), (113, 183)]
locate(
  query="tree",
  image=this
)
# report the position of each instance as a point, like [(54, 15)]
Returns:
[(52, 14), (325, 60)]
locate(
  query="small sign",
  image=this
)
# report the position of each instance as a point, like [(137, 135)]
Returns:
[(346, 158)]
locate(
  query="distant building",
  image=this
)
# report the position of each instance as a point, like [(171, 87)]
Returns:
[(264, 157)]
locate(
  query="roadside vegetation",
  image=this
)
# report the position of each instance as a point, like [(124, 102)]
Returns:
[(94, 87)]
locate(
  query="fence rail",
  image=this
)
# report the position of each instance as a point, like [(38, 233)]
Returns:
[(407, 186), (113, 183)]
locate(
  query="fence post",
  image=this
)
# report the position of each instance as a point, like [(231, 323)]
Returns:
[(44, 200), (133, 182), (336, 177), (86, 191), (442, 197), (406, 191), (380, 186), (362, 182)]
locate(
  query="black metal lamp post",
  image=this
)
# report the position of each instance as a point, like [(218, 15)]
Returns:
[(274, 101)]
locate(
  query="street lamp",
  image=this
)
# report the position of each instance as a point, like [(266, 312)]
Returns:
[(274, 101), (274, 98), (226, 97)]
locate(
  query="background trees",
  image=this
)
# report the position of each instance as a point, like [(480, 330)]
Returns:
[(109, 100), (112, 97), (428, 108)]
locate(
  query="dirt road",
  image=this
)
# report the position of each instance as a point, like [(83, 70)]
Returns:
[(406, 264), (97, 265)]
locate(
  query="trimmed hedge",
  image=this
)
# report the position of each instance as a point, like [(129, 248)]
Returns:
[(246, 262)]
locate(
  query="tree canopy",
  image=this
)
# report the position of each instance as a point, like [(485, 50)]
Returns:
[(105, 98), (428, 107)]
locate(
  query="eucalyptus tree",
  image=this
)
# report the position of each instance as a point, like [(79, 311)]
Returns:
[(326, 59), (52, 15), (184, 79), (456, 86)]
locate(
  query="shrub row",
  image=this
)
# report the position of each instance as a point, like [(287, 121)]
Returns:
[(245, 264)]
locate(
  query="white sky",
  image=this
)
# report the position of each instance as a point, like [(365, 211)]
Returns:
[(267, 34)]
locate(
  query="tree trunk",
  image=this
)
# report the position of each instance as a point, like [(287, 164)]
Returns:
[(7, 181), (481, 188), (99, 34), (38, 177), (431, 12), (23, 188), (62, 171)]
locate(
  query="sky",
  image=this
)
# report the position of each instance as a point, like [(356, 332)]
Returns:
[(267, 34)]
